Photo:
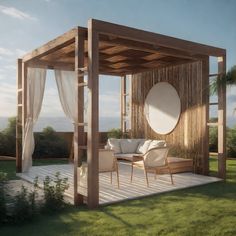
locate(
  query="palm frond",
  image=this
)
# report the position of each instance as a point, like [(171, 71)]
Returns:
[(229, 79), (231, 76), (213, 87)]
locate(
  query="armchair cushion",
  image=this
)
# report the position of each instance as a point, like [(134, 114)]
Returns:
[(157, 143), (156, 157), (143, 146)]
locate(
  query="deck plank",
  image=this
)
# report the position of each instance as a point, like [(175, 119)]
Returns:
[(109, 193)]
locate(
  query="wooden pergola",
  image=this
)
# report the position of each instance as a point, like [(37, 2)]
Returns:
[(111, 49)]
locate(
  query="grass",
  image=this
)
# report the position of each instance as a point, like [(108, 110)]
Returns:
[(10, 168), (204, 210)]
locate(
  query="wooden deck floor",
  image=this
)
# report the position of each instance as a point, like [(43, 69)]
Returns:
[(109, 193)]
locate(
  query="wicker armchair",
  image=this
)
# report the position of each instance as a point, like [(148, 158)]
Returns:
[(108, 163), (153, 161)]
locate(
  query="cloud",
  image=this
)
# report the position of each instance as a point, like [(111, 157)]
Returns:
[(15, 13), (2, 76), (7, 99), (20, 52), (5, 52), (10, 67)]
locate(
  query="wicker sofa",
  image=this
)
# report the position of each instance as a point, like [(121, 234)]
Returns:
[(127, 148)]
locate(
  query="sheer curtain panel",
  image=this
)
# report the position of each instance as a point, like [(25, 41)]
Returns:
[(66, 85), (36, 78)]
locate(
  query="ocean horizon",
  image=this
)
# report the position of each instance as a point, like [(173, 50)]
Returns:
[(62, 124)]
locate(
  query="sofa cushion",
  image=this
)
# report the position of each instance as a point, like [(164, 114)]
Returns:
[(114, 144), (157, 143), (129, 145), (143, 146)]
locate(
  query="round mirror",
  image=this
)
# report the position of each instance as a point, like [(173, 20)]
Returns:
[(162, 108)]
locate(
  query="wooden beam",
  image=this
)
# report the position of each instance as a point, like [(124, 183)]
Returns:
[(53, 45), (19, 118), (130, 70), (147, 47), (213, 124), (78, 129), (51, 65), (222, 120), (93, 110), (156, 39), (205, 114)]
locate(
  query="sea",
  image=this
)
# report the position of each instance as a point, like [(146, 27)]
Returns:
[(62, 124)]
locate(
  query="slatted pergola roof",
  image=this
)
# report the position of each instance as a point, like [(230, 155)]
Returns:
[(121, 50)]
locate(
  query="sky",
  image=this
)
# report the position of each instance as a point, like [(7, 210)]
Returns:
[(27, 24)]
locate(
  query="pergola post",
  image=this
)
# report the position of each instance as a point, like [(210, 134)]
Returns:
[(21, 112), (205, 101), (93, 114), (78, 129), (222, 119), (19, 118), (24, 98), (123, 112)]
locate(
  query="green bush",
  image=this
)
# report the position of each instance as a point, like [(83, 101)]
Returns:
[(3, 209), (114, 133), (213, 139), (54, 192), (49, 144), (8, 139), (25, 208), (231, 142)]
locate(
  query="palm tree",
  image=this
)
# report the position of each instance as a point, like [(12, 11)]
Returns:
[(228, 79)]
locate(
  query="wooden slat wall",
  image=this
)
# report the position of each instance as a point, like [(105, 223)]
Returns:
[(187, 139)]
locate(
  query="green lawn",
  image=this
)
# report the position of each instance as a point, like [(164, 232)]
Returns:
[(204, 210), (10, 168)]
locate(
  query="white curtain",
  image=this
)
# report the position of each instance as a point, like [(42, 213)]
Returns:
[(66, 85), (35, 89)]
